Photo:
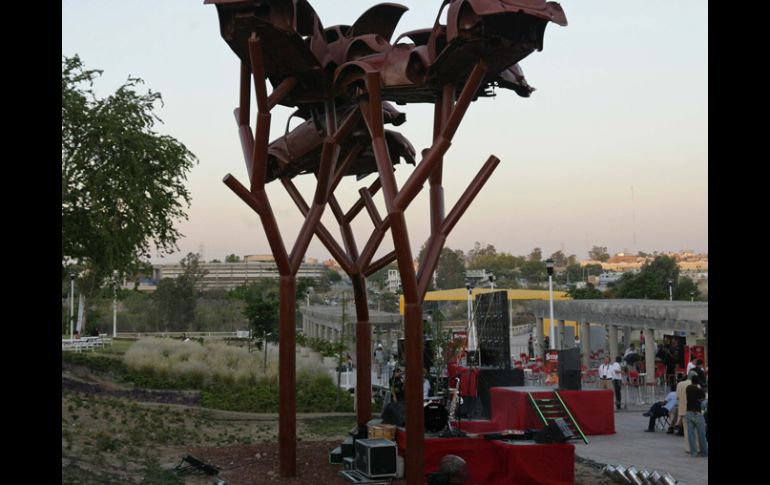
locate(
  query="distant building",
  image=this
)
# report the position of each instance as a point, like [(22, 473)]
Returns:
[(393, 283), (231, 275)]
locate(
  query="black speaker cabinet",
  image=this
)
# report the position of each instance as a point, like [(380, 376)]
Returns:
[(376, 458), (493, 328), (427, 352), (557, 431), (569, 369), (489, 378)]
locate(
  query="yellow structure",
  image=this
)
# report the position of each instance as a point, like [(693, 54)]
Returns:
[(461, 294)]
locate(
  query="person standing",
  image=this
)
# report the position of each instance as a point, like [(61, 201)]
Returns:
[(617, 375), (694, 420), (531, 347), (605, 374), (379, 360), (641, 341)]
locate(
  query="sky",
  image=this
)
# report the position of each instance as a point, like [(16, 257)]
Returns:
[(610, 150)]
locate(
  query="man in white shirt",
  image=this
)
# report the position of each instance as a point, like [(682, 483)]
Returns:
[(605, 374), (617, 375)]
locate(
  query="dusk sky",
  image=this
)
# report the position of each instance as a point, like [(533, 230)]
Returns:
[(610, 150)]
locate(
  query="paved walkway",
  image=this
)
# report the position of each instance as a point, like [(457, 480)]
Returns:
[(630, 445)]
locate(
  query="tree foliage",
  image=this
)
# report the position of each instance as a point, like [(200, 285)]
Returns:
[(123, 184), (599, 253), (651, 282), (450, 272), (588, 292), (536, 255), (175, 299)]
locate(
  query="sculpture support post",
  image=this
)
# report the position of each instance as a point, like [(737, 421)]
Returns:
[(363, 351), (287, 419)]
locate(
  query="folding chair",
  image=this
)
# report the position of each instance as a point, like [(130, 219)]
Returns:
[(663, 423)]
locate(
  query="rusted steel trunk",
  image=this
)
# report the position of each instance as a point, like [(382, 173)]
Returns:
[(363, 351), (287, 377)]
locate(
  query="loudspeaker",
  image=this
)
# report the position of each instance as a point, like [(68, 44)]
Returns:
[(570, 380), (569, 369), (557, 431), (394, 413), (427, 353), (493, 329), (376, 458), (489, 378)]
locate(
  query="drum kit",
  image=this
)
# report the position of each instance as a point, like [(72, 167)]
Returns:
[(437, 416)]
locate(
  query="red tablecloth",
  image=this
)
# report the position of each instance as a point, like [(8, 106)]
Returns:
[(593, 410), (500, 463), (468, 379)]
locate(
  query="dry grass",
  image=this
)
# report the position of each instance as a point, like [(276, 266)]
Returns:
[(208, 363)]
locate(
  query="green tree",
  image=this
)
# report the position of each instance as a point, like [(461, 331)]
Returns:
[(536, 255), (503, 265), (686, 289), (559, 259), (232, 258), (534, 272), (651, 282), (176, 299), (599, 253), (586, 293), (450, 272), (123, 185), (477, 252)]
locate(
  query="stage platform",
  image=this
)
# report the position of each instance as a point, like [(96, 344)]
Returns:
[(593, 409), (494, 462)]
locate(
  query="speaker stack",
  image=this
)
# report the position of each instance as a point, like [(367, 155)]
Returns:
[(493, 329), (569, 369)]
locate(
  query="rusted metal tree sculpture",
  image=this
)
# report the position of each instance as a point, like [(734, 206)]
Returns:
[(350, 73)]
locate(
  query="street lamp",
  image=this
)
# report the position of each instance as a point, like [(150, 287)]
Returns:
[(670, 290), (72, 306), (549, 267), (114, 303)]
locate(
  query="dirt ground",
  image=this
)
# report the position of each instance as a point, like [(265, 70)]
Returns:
[(116, 435)]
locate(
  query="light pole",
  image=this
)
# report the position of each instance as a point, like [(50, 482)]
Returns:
[(472, 342), (670, 290), (549, 267), (114, 303), (72, 306)]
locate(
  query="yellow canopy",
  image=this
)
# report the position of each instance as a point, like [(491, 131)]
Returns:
[(461, 294)]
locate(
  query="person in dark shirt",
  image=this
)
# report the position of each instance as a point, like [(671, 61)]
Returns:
[(694, 417), (397, 385), (395, 412)]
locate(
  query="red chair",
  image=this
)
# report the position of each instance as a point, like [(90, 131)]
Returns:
[(633, 382), (660, 373)]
